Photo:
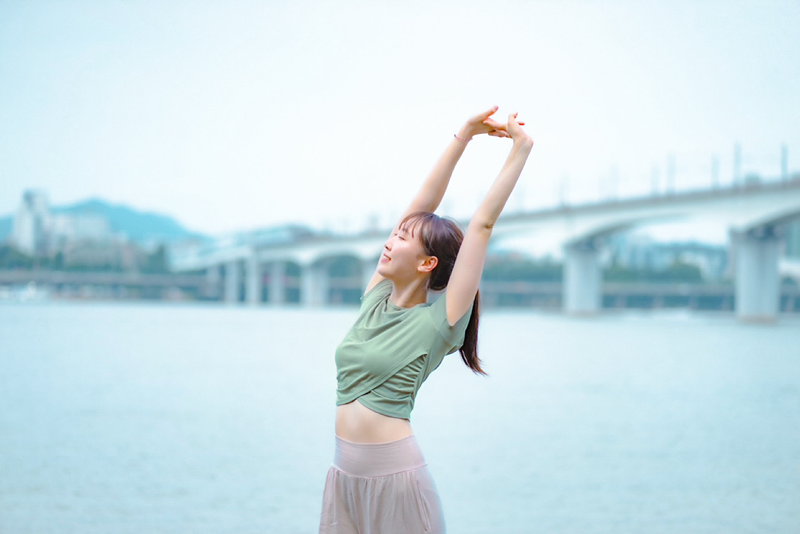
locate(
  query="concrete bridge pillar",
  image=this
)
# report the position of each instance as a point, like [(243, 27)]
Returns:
[(213, 277), (314, 285), (232, 281), (582, 286), (254, 280), (757, 279), (277, 294), (368, 267)]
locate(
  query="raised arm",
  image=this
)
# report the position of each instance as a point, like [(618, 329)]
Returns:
[(467, 270), (432, 191)]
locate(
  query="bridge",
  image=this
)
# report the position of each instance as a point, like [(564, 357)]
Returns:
[(754, 213)]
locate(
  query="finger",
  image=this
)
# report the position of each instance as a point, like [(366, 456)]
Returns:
[(491, 111), (494, 124), (483, 116), (486, 114)]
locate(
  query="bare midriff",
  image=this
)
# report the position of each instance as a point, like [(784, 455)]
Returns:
[(355, 422)]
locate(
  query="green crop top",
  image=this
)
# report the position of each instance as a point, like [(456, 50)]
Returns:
[(390, 351)]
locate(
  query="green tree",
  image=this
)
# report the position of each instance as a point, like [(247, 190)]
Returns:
[(507, 269), (11, 258)]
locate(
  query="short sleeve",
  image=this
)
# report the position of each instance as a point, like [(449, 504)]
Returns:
[(380, 290), (453, 334)]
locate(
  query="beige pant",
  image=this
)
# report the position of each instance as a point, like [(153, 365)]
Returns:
[(380, 488)]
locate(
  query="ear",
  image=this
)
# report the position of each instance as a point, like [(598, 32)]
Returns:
[(428, 264)]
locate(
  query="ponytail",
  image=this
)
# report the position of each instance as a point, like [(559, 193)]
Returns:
[(469, 350), (442, 237)]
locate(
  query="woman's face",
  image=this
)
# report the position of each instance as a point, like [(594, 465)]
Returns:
[(403, 256)]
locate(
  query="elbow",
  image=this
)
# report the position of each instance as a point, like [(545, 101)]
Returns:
[(482, 224), (484, 219)]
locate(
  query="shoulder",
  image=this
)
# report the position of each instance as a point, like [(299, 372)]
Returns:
[(437, 311), (378, 291)]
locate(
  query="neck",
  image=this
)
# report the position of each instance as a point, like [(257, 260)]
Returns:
[(409, 294)]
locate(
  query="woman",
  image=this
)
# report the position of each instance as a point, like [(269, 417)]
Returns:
[(378, 483)]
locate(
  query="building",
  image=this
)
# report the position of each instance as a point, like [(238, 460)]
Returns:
[(39, 232), (72, 227), (32, 223), (634, 251)]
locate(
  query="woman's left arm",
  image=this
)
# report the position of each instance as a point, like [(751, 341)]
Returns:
[(468, 268), (433, 189)]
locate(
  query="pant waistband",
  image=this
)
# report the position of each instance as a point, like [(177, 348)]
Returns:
[(377, 459)]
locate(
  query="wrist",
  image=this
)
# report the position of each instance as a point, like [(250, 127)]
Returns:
[(465, 134), (523, 141)]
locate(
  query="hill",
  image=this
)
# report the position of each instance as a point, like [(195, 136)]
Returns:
[(142, 227)]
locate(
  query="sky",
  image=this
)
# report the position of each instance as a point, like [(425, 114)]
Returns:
[(232, 116)]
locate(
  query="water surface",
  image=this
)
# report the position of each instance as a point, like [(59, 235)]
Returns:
[(173, 418)]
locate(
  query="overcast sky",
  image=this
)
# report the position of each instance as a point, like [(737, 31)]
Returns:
[(237, 115)]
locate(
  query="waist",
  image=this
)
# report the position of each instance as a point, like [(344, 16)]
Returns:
[(377, 459), (357, 423)]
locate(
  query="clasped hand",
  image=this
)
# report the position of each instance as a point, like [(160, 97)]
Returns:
[(482, 123)]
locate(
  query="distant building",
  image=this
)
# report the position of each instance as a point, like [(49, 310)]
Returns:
[(642, 252), (37, 231), (70, 227), (635, 252), (30, 231)]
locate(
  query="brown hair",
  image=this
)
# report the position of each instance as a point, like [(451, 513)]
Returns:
[(442, 237)]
